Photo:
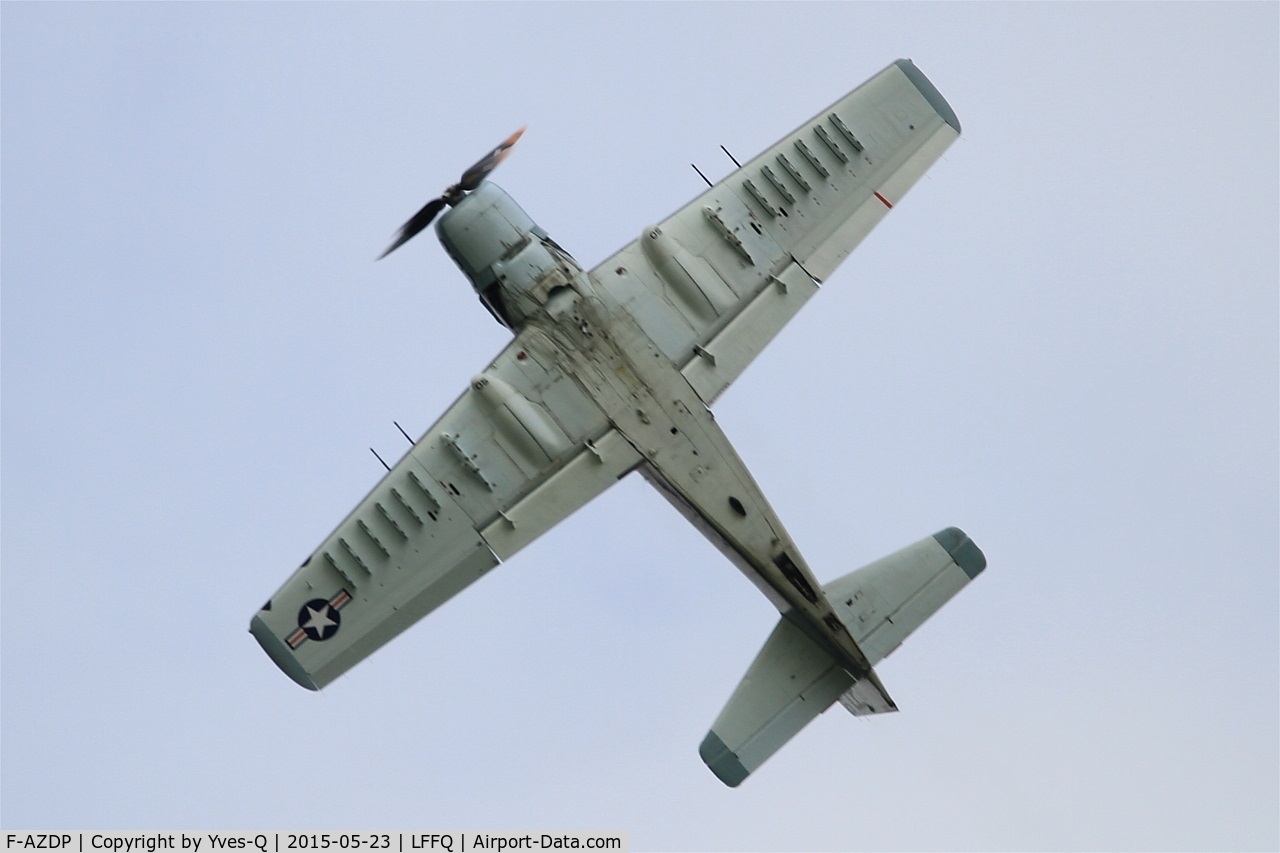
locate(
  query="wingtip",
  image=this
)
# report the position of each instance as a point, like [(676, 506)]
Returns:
[(280, 654), (930, 92)]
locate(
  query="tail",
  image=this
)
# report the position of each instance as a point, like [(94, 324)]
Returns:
[(793, 679)]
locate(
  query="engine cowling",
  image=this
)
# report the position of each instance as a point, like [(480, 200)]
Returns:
[(512, 263)]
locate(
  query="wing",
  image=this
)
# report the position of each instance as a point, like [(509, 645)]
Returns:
[(520, 450), (714, 282)]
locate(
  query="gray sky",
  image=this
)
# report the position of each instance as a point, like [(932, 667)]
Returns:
[(1064, 341)]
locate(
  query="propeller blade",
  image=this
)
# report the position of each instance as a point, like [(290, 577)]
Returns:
[(416, 223), (486, 164), (470, 180)]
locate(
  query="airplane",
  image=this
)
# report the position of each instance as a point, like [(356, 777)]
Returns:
[(613, 371)]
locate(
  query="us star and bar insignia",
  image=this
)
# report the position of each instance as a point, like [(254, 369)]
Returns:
[(319, 619)]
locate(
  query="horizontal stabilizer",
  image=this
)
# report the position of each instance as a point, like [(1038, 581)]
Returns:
[(882, 603), (794, 678), (790, 682)]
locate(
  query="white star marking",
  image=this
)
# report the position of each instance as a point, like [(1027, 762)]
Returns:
[(319, 620)]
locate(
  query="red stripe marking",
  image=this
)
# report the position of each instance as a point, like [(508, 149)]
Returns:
[(885, 200)]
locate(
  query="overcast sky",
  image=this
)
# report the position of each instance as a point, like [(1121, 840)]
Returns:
[(1064, 341)]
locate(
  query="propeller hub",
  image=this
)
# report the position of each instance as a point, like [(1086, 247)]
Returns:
[(453, 195)]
